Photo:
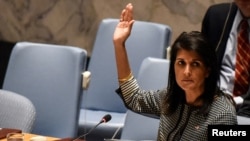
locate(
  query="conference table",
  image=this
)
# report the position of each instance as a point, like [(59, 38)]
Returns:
[(28, 137), (31, 137)]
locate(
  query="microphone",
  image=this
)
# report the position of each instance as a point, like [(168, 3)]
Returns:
[(105, 119)]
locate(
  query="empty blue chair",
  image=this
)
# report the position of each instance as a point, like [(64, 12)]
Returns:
[(51, 77)]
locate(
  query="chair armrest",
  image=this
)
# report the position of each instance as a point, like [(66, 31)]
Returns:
[(86, 76)]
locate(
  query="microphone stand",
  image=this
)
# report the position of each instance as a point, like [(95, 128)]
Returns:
[(87, 132), (105, 119)]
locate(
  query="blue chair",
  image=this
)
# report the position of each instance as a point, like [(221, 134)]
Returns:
[(147, 40), (51, 77), (242, 120), (16, 111), (153, 75)]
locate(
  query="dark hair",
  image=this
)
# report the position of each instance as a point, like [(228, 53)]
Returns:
[(192, 41)]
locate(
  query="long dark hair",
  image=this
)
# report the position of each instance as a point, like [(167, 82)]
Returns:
[(192, 41)]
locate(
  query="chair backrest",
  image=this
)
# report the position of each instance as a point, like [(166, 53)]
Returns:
[(147, 40), (16, 111), (50, 76), (153, 75)]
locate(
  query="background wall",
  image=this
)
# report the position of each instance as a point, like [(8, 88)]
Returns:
[(75, 22)]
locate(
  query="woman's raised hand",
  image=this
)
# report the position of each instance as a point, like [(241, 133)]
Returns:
[(124, 27)]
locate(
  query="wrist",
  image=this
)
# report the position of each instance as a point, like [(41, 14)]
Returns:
[(129, 77)]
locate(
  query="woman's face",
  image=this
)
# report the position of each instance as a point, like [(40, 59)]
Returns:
[(190, 71), (244, 6)]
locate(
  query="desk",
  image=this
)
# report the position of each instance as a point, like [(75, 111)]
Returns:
[(27, 137)]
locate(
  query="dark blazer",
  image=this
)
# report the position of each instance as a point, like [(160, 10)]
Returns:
[(218, 18), (216, 26)]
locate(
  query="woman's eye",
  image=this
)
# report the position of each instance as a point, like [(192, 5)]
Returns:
[(180, 62), (195, 64)]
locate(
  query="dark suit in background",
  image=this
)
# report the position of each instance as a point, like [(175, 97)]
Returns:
[(216, 26)]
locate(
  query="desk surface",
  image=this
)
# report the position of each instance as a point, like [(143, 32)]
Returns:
[(28, 136)]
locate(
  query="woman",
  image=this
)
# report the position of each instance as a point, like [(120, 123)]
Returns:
[(192, 100)]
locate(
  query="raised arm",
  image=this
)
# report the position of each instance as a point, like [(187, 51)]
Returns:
[(121, 34)]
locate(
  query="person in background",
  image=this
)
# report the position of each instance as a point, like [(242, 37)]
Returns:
[(192, 99), (221, 25)]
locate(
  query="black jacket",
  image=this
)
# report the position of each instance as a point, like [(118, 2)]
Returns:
[(218, 18)]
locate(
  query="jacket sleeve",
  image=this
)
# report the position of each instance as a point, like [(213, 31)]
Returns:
[(141, 101)]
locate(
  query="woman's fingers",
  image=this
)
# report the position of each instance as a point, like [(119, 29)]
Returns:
[(127, 13), (122, 15)]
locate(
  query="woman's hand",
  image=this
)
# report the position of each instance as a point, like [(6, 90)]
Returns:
[(124, 27)]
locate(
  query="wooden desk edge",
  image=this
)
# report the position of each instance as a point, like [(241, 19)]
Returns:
[(28, 136)]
